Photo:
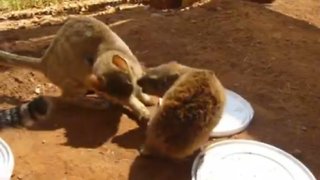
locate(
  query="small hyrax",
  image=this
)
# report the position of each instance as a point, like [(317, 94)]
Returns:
[(193, 102), (86, 55)]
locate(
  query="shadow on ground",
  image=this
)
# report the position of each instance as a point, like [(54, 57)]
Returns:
[(84, 127), (145, 169), (133, 139)]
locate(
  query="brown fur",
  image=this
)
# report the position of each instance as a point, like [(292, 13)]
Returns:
[(158, 80), (190, 109), (87, 55)]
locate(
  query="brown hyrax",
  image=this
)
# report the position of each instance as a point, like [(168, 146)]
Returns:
[(86, 55), (192, 105)]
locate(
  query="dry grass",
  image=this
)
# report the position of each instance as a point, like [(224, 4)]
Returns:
[(12, 5)]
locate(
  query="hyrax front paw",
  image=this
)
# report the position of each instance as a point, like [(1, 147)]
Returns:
[(153, 100), (148, 100), (140, 110), (143, 151), (144, 117)]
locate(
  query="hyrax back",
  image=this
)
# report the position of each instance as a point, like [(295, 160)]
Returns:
[(82, 44), (191, 108)]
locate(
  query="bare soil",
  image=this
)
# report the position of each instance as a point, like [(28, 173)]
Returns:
[(269, 55)]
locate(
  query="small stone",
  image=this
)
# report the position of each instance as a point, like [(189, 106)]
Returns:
[(297, 153), (3, 18), (277, 35), (44, 141), (22, 26), (50, 85), (17, 80), (165, 10), (31, 79), (83, 9), (45, 22), (117, 9), (28, 15), (303, 128), (193, 21), (291, 27), (38, 90), (156, 15), (236, 84)]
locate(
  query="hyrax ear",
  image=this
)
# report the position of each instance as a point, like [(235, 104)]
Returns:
[(143, 67), (173, 62), (120, 63)]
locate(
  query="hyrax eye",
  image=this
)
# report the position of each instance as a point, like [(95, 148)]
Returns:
[(153, 77), (89, 60)]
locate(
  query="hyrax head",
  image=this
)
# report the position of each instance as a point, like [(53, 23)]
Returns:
[(157, 80), (111, 76)]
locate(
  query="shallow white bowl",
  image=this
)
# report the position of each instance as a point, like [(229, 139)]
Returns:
[(237, 115), (247, 160), (6, 161)]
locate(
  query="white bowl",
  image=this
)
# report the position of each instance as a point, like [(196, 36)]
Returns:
[(6, 161), (247, 160), (237, 115)]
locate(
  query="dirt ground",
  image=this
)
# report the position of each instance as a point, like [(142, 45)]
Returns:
[(269, 55)]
